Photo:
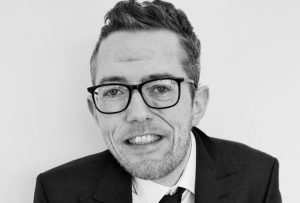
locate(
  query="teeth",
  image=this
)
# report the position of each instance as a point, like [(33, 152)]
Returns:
[(144, 139)]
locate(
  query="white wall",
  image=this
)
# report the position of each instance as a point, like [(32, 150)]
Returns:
[(250, 60)]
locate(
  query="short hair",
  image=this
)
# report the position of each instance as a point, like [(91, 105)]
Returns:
[(131, 15)]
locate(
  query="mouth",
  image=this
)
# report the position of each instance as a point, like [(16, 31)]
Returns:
[(144, 139)]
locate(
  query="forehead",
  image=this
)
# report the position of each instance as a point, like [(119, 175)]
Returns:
[(134, 55)]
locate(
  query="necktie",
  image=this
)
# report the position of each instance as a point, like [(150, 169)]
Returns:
[(175, 198)]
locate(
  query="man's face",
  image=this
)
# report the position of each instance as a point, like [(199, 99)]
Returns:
[(149, 143)]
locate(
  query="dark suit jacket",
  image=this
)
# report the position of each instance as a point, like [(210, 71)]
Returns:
[(226, 172)]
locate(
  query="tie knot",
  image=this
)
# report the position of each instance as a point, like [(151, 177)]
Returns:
[(175, 198), (179, 191)]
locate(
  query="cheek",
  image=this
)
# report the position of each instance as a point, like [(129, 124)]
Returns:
[(112, 127), (108, 125), (178, 118)]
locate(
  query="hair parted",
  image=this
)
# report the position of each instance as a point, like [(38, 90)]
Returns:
[(133, 16)]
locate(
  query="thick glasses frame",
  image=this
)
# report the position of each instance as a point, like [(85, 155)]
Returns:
[(138, 87)]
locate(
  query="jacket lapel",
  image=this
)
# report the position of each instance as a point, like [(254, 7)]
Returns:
[(114, 187), (215, 180)]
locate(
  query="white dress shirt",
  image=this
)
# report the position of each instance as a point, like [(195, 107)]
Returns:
[(146, 191)]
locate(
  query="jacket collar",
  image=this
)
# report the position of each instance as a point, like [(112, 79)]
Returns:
[(216, 180)]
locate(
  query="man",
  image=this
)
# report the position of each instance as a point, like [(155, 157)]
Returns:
[(146, 100)]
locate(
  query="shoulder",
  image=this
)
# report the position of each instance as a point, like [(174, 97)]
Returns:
[(94, 161), (239, 150), (256, 167), (256, 172), (242, 154), (79, 175), (233, 153)]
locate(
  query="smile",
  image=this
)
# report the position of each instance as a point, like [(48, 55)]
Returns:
[(144, 139)]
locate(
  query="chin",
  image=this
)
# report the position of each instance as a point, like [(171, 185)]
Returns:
[(151, 169)]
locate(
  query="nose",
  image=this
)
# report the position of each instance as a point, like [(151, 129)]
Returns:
[(137, 111)]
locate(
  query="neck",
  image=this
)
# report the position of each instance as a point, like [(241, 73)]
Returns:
[(173, 177)]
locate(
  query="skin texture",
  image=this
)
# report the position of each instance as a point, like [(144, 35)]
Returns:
[(134, 56)]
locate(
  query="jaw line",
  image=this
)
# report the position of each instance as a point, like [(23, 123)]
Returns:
[(115, 150)]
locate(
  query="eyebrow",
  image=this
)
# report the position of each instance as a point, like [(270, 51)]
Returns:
[(157, 76), (122, 79)]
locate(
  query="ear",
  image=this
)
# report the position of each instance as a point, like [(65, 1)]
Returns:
[(91, 107), (199, 104)]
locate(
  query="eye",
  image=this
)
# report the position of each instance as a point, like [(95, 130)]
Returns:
[(160, 89), (113, 92)]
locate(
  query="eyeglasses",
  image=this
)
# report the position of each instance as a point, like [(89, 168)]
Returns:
[(158, 94)]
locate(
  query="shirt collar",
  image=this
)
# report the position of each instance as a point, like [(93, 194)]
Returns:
[(149, 190), (188, 177)]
